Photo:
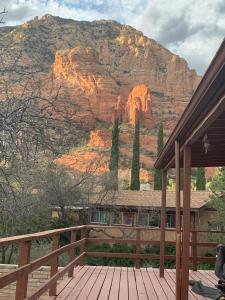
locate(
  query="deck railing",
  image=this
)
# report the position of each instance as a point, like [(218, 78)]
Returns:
[(25, 267)]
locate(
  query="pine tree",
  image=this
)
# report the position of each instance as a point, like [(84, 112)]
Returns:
[(200, 179), (135, 170), (114, 157), (158, 173)]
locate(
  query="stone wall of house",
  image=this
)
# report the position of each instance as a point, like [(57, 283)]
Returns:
[(36, 279)]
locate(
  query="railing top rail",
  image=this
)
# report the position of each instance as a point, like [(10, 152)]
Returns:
[(127, 227), (49, 233), (35, 236)]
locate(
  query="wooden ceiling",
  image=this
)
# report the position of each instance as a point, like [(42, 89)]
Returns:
[(216, 139)]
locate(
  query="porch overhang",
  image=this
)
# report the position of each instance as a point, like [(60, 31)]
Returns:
[(203, 118)]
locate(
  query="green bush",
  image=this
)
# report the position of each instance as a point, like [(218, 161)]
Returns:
[(108, 261)]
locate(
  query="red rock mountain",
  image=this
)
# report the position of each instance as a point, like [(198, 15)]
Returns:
[(103, 66)]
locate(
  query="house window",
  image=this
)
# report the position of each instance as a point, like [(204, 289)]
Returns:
[(150, 219), (154, 219), (128, 218), (117, 218), (99, 216), (170, 220), (143, 219)]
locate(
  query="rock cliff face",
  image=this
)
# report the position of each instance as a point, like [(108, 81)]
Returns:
[(103, 67)]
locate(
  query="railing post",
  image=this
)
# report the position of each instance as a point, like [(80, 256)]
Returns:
[(24, 258), (72, 251), (82, 247), (163, 224), (194, 249), (138, 248), (54, 264)]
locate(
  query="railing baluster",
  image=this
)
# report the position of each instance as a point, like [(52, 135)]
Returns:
[(194, 250), (138, 248), (24, 258), (54, 263), (72, 251)]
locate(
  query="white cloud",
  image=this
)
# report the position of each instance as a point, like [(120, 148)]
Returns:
[(191, 28)]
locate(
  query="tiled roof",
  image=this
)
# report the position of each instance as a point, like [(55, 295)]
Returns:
[(148, 199)]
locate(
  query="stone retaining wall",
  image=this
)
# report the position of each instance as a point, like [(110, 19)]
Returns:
[(36, 278)]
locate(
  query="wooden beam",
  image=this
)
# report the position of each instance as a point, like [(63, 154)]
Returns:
[(186, 223), (163, 224), (178, 227)]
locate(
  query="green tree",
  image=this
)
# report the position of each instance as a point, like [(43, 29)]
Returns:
[(135, 170), (158, 173), (200, 179), (114, 157), (217, 197)]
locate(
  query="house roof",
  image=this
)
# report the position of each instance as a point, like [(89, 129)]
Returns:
[(204, 114), (148, 199)]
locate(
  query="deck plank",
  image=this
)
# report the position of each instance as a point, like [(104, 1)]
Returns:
[(106, 287), (158, 288), (96, 288), (78, 273), (165, 285), (115, 287), (116, 283), (81, 284), (148, 285), (132, 287), (91, 281), (142, 294), (123, 292)]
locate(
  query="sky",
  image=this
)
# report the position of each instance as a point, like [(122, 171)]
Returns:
[(193, 29)]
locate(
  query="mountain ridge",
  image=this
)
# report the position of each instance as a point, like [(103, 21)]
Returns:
[(103, 66)]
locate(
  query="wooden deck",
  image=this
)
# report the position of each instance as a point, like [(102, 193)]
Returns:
[(111, 283)]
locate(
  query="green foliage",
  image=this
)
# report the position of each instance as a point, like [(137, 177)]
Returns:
[(158, 173), (217, 197), (207, 266), (114, 157), (200, 179), (135, 170), (107, 261)]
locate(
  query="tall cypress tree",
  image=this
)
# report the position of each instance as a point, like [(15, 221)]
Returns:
[(114, 156), (135, 170), (200, 179), (158, 173)]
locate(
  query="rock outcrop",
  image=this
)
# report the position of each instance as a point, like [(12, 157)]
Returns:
[(139, 100), (102, 68)]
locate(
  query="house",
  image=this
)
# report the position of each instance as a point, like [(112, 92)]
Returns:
[(143, 208)]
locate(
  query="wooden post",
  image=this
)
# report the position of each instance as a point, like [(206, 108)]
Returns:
[(54, 264), (186, 223), (163, 224), (72, 251), (24, 258), (82, 247), (194, 249), (138, 248), (178, 225)]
